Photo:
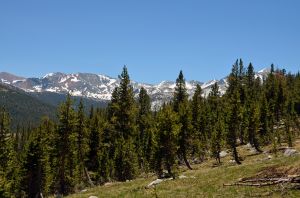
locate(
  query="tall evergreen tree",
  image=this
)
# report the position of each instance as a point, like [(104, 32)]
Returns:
[(251, 108), (181, 106), (199, 123), (81, 136), (124, 109), (33, 166), (234, 111), (215, 121), (146, 129), (93, 143), (65, 144), (4, 138), (264, 120), (168, 131)]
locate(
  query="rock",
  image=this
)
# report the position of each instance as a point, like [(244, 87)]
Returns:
[(253, 151), (182, 177), (269, 157), (93, 197), (156, 182), (84, 190), (223, 154), (248, 146), (196, 161), (289, 152), (266, 152)]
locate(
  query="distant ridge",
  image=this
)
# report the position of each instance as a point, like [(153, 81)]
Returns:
[(100, 87)]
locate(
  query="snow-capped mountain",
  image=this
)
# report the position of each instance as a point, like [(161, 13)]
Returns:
[(100, 87)]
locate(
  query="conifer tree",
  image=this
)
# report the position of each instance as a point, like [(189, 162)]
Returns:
[(124, 109), (180, 94), (215, 122), (81, 144), (49, 159), (93, 144), (271, 90), (4, 138), (168, 131), (105, 157), (9, 164), (181, 106), (199, 122), (234, 111), (251, 108), (264, 120), (33, 167), (12, 173), (125, 160), (127, 108), (65, 144), (146, 129)]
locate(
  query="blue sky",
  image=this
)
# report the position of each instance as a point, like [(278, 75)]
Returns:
[(155, 39)]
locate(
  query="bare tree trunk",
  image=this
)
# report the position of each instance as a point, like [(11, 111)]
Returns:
[(235, 156), (88, 177), (187, 162)]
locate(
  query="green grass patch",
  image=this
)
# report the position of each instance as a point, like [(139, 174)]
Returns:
[(205, 181)]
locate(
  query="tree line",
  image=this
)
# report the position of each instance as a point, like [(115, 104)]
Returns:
[(128, 138)]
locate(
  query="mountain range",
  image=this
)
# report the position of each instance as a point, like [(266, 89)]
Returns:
[(99, 87)]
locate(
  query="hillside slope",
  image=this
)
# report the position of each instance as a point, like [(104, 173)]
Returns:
[(206, 180), (25, 108), (22, 107)]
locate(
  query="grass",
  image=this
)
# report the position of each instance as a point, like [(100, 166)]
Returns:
[(205, 180)]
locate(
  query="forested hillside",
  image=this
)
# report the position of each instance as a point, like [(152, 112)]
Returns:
[(28, 108), (127, 139), (24, 109)]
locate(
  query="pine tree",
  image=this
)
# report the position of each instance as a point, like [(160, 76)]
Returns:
[(181, 106), (185, 135), (4, 138), (81, 145), (215, 122), (127, 108), (105, 169), (234, 111), (146, 129), (65, 144), (49, 159), (271, 91), (199, 123), (12, 173), (180, 94), (9, 168), (125, 160), (264, 121), (93, 144), (253, 126), (123, 109), (33, 169), (251, 108), (168, 131)]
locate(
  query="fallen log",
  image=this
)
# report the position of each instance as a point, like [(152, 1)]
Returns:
[(260, 182)]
